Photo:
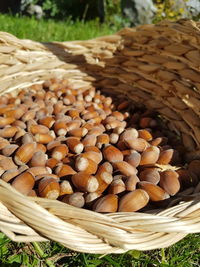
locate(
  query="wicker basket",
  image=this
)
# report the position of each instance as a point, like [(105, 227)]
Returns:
[(158, 65)]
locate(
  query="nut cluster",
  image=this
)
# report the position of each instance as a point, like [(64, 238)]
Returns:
[(88, 149)]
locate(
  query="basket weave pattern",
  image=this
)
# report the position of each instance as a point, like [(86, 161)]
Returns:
[(157, 65)]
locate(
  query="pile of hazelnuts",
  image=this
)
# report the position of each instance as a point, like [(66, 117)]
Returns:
[(90, 150)]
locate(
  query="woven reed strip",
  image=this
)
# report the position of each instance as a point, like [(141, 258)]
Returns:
[(156, 65)]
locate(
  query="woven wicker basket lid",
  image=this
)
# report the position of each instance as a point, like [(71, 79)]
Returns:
[(157, 65)]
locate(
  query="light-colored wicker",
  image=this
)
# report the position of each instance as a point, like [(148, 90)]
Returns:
[(158, 65)]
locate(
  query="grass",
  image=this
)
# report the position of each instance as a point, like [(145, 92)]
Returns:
[(185, 253), (50, 30)]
